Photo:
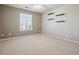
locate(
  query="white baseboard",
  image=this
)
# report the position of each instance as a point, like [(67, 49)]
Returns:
[(56, 36), (50, 36), (69, 40), (12, 38), (4, 39), (8, 38)]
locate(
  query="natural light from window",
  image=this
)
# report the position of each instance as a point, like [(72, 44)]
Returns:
[(25, 22)]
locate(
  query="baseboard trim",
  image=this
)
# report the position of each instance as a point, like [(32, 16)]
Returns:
[(13, 37), (63, 38), (50, 36), (5, 39), (68, 40), (8, 38)]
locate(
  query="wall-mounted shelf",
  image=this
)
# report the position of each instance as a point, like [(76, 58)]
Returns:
[(51, 19), (60, 14), (50, 13), (60, 21)]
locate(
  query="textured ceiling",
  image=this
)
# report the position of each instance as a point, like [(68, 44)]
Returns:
[(46, 7)]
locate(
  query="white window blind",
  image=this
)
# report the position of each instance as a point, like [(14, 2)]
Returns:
[(25, 22)]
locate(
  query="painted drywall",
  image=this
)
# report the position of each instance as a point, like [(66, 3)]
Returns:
[(0, 24), (68, 29), (11, 22)]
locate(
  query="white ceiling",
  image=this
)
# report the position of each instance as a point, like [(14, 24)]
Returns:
[(46, 7)]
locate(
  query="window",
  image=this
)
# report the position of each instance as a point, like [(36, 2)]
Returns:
[(25, 22)]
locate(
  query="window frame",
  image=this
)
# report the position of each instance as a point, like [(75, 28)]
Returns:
[(26, 22)]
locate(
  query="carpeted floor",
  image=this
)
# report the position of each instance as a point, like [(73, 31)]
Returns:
[(37, 44)]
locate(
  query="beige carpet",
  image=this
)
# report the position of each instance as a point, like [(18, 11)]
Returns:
[(37, 44)]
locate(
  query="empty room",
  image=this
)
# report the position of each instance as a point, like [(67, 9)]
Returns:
[(39, 29)]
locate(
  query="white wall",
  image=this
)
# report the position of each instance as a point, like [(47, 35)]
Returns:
[(0, 27), (68, 29), (0, 24)]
